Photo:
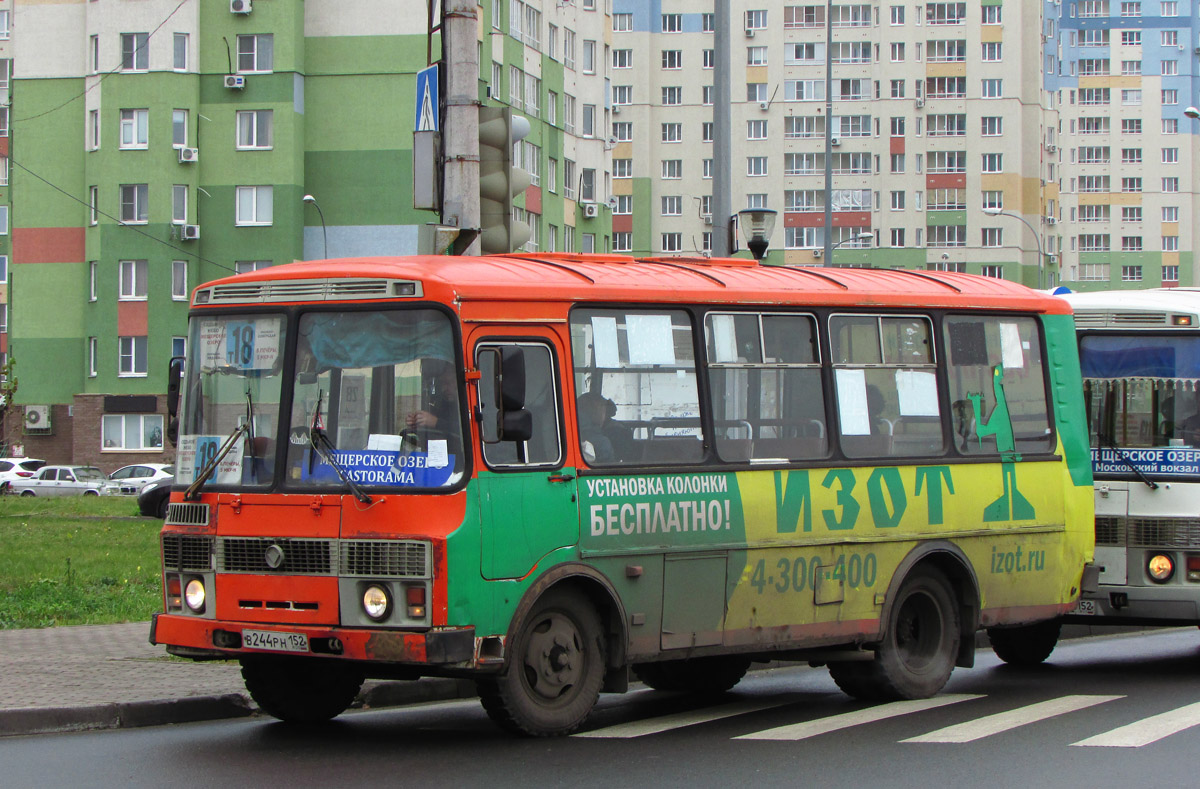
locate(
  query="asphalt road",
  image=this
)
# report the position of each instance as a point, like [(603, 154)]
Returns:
[(1110, 711)]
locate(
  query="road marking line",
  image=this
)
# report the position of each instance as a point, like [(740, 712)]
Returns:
[(679, 720), (802, 731), (1004, 721), (1147, 730)]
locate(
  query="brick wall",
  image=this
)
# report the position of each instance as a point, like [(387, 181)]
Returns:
[(87, 449), (55, 447)]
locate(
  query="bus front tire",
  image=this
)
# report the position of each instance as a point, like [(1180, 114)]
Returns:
[(1028, 645), (704, 675), (917, 653), (301, 691), (555, 670)]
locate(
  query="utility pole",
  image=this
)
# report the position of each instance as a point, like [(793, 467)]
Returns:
[(828, 251), (722, 165), (460, 130)]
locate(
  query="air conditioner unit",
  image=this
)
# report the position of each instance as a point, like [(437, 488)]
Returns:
[(188, 155), (591, 210), (240, 6), (1051, 220), (749, 32), (235, 81), (708, 219), (1051, 148), (920, 103), (764, 105), (37, 417), (835, 140), (818, 252), (1197, 50), (189, 232)]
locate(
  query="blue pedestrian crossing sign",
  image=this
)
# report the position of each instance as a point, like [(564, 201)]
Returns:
[(427, 100)]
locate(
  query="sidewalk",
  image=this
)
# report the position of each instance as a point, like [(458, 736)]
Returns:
[(110, 676)]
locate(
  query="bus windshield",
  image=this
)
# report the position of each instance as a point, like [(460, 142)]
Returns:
[(1142, 390), (234, 374), (381, 387)]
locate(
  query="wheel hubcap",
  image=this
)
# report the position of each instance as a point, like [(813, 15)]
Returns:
[(553, 657), (918, 631)]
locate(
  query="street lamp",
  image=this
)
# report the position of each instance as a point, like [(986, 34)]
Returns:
[(324, 234), (855, 237), (1192, 113), (992, 211), (756, 225)]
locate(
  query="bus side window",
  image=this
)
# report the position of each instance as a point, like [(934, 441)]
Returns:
[(544, 447)]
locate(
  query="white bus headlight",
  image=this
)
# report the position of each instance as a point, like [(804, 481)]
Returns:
[(376, 602), (1160, 567), (194, 595)]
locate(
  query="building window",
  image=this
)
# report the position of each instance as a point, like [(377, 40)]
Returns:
[(132, 431), (622, 58), (181, 52), (672, 23), (672, 59), (672, 169), (756, 130), (3, 268), (756, 166), (992, 51), (1170, 156), (134, 203), (93, 271), (589, 57), (994, 271), (706, 131), (1170, 184), (672, 132), (135, 128), (589, 120), (587, 185), (622, 168), (756, 56), (993, 162), (672, 205), (93, 357), (1170, 213), (255, 205), (132, 356), (254, 129), (179, 201), (179, 289), (623, 206), (255, 53), (1131, 273), (132, 280), (93, 204), (622, 241), (622, 23), (707, 59), (672, 96), (1170, 273), (135, 52), (672, 242), (992, 88), (178, 347), (179, 128), (756, 19), (1170, 243), (246, 266)]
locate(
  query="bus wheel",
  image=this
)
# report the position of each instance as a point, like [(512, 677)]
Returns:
[(301, 691), (707, 675), (555, 669), (1028, 645), (917, 653)]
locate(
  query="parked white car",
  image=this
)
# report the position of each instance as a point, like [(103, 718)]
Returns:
[(65, 481), (18, 468), (133, 478)]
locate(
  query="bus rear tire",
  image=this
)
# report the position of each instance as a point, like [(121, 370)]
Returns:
[(917, 654), (301, 691), (1028, 645), (554, 672), (704, 675)]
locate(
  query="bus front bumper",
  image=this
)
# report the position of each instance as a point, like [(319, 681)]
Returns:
[(192, 637)]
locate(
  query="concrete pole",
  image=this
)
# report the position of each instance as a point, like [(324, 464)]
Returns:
[(828, 252), (722, 166), (460, 123)]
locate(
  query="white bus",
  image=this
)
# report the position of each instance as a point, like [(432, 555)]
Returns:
[(1140, 357)]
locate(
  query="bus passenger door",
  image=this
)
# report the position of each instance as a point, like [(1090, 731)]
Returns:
[(527, 502)]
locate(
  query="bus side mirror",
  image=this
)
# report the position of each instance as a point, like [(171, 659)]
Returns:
[(512, 379), (174, 379), (502, 415)]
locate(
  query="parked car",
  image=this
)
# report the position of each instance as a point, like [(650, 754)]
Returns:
[(133, 478), (155, 497), (65, 481), (18, 468)]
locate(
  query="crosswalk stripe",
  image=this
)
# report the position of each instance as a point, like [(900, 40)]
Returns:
[(1147, 730), (802, 731), (679, 720), (1004, 721)]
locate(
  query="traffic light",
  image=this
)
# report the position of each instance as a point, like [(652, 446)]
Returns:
[(499, 181)]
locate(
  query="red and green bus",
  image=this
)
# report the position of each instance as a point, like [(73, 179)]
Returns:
[(552, 473)]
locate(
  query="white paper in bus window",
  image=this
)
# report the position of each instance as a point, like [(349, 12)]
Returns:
[(917, 390), (1010, 346), (212, 344), (604, 342), (724, 339), (852, 402), (650, 339)]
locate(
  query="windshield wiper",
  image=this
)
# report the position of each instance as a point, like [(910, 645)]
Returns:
[(192, 493), (323, 447), (1137, 472)]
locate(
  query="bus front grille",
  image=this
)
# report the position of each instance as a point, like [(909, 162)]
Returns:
[(187, 553), (187, 514), (276, 555), (385, 558), (1148, 532)]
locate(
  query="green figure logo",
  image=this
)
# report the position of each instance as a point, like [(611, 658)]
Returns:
[(1011, 505)]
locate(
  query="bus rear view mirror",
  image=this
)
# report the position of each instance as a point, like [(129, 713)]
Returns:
[(502, 415), (517, 426), (174, 379), (512, 379)]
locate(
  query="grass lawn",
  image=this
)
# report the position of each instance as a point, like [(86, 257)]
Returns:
[(76, 560)]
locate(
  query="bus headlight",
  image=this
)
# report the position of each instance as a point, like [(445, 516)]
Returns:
[(1160, 567), (376, 602), (193, 595)]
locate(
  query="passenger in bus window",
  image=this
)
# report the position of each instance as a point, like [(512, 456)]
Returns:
[(440, 412), (593, 410)]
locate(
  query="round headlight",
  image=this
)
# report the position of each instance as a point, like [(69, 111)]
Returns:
[(193, 593), (1160, 567), (376, 602)]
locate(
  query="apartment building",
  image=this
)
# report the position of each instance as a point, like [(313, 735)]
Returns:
[(168, 143)]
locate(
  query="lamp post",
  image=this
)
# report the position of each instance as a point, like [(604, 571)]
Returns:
[(757, 225), (855, 237), (1038, 239), (324, 234)]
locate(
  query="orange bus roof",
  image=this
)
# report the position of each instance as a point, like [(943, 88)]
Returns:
[(563, 277)]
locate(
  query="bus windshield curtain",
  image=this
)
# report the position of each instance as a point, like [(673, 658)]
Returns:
[(1140, 357), (365, 339)]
